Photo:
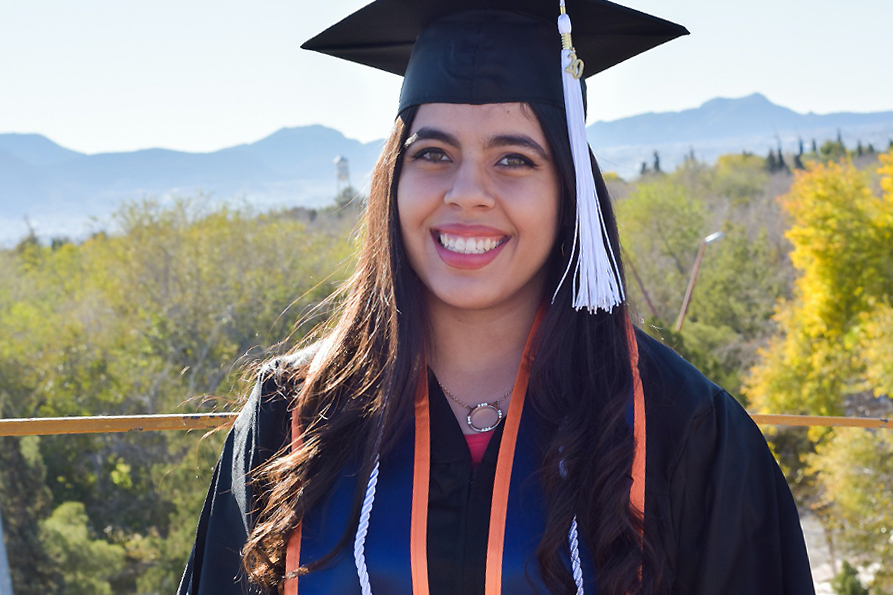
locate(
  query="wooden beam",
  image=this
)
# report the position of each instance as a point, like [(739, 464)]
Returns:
[(114, 423), (207, 421), (821, 420)]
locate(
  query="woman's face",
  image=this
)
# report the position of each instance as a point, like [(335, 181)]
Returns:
[(478, 200)]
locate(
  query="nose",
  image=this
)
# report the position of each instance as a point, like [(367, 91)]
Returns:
[(469, 188)]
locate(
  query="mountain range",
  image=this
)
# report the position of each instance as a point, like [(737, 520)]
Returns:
[(60, 191), (721, 126)]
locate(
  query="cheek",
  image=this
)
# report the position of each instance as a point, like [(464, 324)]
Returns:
[(405, 214), (416, 202), (542, 215), (548, 226), (410, 217)]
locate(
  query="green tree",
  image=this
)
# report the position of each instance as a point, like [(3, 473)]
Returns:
[(87, 564), (833, 151), (781, 164), (142, 320), (856, 471), (24, 500), (661, 225), (771, 162), (847, 582), (735, 180), (663, 221)]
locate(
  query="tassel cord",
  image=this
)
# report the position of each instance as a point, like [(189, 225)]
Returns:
[(359, 544), (595, 280), (576, 565), (359, 547)]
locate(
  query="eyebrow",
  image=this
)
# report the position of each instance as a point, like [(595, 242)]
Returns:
[(429, 133), (506, 140), (500, 140)]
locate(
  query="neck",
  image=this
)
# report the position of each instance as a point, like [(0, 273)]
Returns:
[(476, 354)]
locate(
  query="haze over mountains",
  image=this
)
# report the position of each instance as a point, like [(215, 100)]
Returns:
[(721, 126), (59, 190)]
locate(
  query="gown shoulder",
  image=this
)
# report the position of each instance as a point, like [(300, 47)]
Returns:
[(714, 493), (261, 430)]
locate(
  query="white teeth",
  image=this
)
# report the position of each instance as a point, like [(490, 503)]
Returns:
[(465, 245)]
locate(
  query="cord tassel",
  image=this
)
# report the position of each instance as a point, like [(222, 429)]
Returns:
[(359, 544), (595, 279), (576, 566)]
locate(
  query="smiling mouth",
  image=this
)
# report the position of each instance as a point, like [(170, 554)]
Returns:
[(469, 245)]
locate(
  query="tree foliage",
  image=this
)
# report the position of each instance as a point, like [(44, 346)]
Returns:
[(856, 471), (834, 349), (86, 563), (847, 582), (174, 301), (143, 320), (832, 329), (663, 221), (25, 498)]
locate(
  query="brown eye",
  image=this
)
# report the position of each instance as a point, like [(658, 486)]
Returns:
[(432, 155), (515, 160)]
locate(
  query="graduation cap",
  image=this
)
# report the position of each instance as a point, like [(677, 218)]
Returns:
[(506, 51)]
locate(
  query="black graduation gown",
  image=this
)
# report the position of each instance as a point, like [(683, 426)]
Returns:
[(716, 502)]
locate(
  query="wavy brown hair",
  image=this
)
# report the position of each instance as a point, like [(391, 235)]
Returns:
[(362, 382)]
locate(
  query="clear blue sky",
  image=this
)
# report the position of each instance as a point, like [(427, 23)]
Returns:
[(198, 75)]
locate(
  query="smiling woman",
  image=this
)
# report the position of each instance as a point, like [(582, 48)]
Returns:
[(483, 417), (478, 206)]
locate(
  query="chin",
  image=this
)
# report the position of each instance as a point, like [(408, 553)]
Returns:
[(484, 300)]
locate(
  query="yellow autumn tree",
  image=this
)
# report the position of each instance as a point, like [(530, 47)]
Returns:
[(835, 348), (832, 340)]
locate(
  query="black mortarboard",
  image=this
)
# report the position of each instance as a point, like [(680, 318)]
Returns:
[(506, 51), (488, 51)]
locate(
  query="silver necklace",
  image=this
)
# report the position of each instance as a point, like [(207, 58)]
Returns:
[(482, 417)]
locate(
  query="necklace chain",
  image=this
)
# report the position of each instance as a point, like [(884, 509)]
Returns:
[(477, 418), (470, 407)]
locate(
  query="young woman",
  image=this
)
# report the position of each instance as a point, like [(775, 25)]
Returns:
[(473, 422)]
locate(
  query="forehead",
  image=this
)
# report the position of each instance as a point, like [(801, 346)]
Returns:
[(487, 120)]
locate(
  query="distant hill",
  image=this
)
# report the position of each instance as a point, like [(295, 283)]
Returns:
[(720, 126), (35, 149), (60, 190)]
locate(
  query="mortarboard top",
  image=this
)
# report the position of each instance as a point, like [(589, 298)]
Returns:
[(505, 51), (488, 51)]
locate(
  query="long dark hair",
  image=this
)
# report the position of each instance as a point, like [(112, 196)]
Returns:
[(362, 384)]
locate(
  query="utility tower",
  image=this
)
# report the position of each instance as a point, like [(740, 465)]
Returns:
[(342, 174)]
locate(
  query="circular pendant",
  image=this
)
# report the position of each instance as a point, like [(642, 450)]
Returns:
[(484, 417)]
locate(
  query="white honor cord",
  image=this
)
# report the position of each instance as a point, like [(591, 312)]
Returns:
[(572, 538), (576, 567), (359, 543)]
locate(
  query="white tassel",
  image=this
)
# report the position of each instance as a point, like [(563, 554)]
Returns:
[(359, 544), (595, 281)]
